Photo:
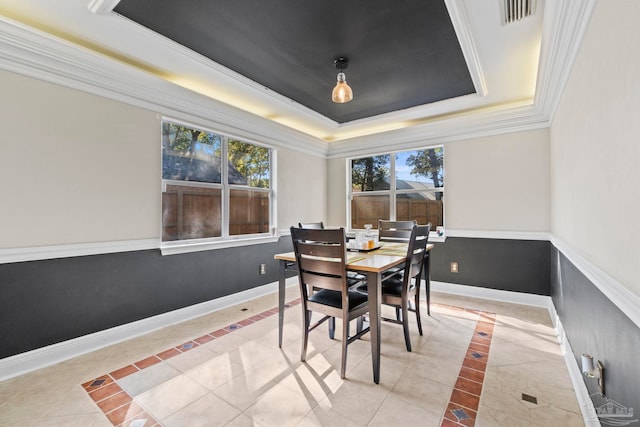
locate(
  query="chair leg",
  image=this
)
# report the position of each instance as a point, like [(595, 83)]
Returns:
[(305, 333), (405, 324), (345, 343), (417, 310), (332, 327), (359, 324), (398, 314)]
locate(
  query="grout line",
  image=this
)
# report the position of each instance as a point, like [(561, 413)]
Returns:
[(462, 409), (119, 407), (104, 389)]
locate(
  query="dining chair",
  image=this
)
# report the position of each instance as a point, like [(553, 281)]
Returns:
[(354, 279), (400, 289), (321, 256), (394, 231), (314, 225)]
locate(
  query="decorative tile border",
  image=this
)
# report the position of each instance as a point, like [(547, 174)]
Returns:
[(120, 408), (465, 397)]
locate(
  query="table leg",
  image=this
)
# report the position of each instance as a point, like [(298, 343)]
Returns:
[(374, 290), (281, 290), (427, 281)]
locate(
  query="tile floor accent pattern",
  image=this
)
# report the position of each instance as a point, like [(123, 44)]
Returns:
[(465, 397), (123, 410), (224, 368)]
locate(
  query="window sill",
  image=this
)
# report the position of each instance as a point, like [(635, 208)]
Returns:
[(173, 248), (432, 236)]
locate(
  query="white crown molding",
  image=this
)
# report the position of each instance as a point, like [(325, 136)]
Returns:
[(627, 301), (75, 250), (460, 22), (460, 127), (23, 363), (29, 52), (33, 53), (102, 7), (564, 26), (498, 234)]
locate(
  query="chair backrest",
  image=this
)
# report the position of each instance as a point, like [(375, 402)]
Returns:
[(416, 251), (321, 257), (399, 231), (313, 225)]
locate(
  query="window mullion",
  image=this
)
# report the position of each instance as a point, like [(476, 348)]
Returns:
[(392, 188), (224, 178)]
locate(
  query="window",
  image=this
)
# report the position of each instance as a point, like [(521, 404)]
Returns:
[(398, 186), (204, 197)]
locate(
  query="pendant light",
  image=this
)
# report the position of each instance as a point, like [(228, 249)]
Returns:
[(342, 92)]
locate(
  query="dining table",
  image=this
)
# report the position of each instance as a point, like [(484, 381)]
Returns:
[(372, 263)]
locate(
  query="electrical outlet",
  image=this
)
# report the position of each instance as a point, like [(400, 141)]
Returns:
[(454, 267), (263, 268)]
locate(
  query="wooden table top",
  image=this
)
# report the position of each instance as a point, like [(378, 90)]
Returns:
[(379, 260)]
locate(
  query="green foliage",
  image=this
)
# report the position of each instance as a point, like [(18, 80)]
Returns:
[(182, 140), (370, 173), (252, 161), (429, 164)]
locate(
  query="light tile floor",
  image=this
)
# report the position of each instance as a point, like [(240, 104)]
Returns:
[(479, 362)]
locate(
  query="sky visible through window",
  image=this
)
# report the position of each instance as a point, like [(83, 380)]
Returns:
[(403, 171)]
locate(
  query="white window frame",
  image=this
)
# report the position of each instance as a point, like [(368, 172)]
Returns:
[(392, 192), (225, 240)]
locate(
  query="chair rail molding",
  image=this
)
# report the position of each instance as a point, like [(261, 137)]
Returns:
[(498, 234), (627, 301), (74, 250)]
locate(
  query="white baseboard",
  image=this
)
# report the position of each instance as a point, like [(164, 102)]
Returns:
[(50, 355), (582, 394), (492, 294)]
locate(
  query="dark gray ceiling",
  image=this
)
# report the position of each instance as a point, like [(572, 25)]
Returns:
[(402, 53)]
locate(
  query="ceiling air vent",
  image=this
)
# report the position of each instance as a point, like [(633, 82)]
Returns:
[(515, 10)]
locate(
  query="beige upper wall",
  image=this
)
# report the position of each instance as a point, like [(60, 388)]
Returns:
[(80, 168), (302, 188), (595, 149), (497, 183)]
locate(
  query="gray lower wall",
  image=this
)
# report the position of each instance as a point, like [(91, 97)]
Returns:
[(46, 302), (594, 325), (510, 265)]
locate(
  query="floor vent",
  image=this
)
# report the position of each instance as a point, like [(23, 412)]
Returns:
[(515, 10)]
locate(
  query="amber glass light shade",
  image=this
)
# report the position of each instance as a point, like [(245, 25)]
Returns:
[(342, 92)]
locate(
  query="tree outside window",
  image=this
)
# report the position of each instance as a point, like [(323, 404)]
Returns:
[(204, 197), (416, 191)]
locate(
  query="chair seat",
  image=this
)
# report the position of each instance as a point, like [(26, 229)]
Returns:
[(393, 285), (352, 275), (355, 280), (334, 298)]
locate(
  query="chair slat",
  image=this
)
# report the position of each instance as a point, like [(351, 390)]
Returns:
[(321, 266), (321, 258)]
